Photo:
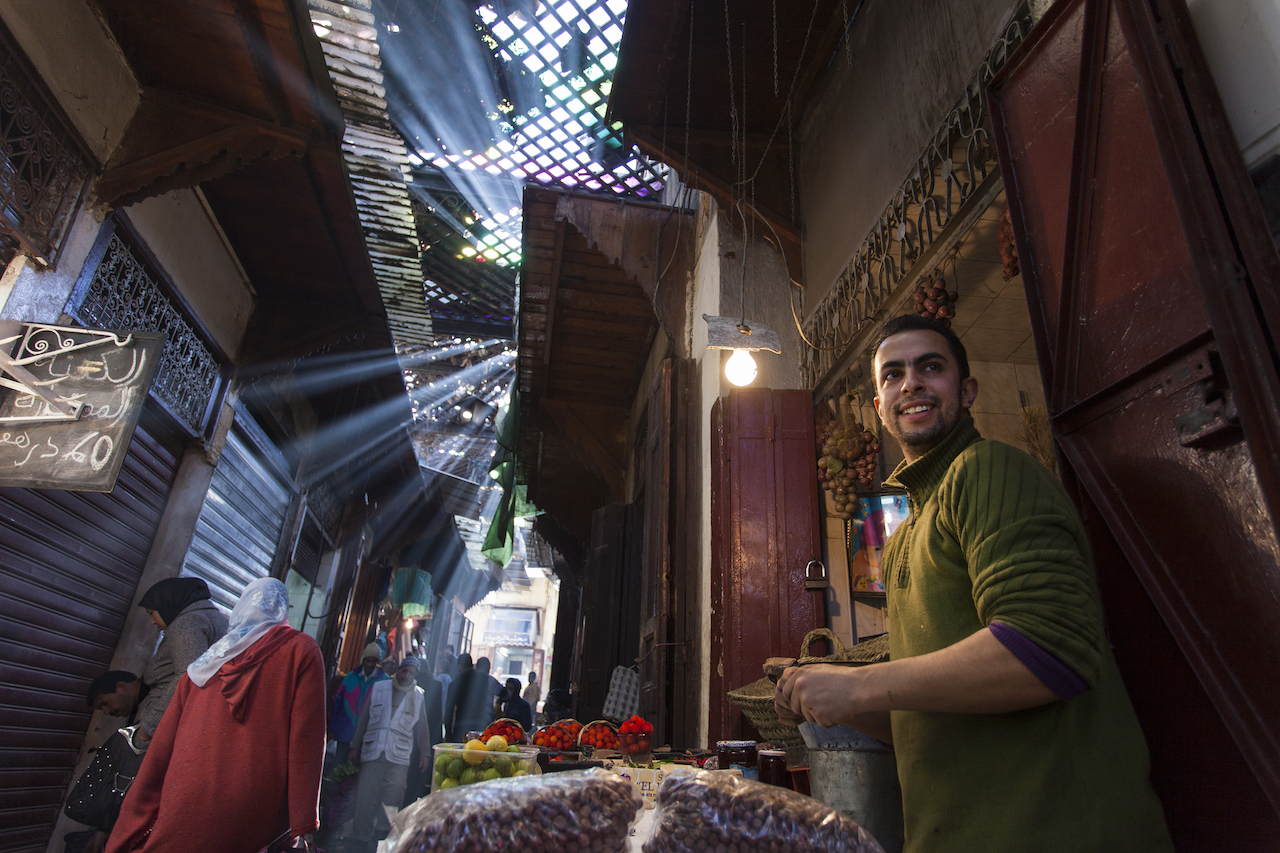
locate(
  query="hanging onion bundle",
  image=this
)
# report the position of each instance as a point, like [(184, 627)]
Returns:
[(932, 299), (848, 457)]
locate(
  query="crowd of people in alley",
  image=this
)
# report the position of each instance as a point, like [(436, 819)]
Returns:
[(229, 735)]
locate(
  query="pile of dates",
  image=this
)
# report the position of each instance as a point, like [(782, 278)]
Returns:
[(590, 811), (717, 811)]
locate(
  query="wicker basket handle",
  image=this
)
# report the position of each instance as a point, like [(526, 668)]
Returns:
[(837, 647)]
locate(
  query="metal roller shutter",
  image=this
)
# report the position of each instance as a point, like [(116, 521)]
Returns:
[(69, 568), (240, 524)]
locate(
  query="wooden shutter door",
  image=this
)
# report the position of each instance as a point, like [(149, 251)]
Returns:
[(610, 608), (1152, 288), (764, 508), (669, 673)]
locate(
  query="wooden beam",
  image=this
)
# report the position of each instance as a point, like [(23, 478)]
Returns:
[(677, 33), (788, 238), (610, 469), (716, 138), (176, 142), (557, 255)]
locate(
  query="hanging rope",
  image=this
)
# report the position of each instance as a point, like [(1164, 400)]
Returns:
[(775, 48), (733, 108)]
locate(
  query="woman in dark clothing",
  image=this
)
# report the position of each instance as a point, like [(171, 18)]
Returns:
[(191, 623)]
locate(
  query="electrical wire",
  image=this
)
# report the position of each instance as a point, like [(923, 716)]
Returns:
[(795, 77), (791, 297)]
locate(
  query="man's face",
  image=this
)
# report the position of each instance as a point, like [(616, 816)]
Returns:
[(920, 396), (389, 667), (369, 665), (405, 675), (120, 703)]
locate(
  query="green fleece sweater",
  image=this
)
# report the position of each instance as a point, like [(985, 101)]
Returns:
[(992, 536)]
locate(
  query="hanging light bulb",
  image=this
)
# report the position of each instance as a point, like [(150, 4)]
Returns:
[(740, 369), (743, 338)]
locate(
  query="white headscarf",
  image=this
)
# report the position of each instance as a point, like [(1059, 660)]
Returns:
[(263, 606)]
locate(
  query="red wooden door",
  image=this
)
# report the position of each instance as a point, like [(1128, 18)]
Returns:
[(1152, 287), (765, 530)]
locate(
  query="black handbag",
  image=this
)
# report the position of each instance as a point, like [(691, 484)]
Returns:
[(98, 794)]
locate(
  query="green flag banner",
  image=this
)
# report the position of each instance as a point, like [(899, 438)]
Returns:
[(500, 540)]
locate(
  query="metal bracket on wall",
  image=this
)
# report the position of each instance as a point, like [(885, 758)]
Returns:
[(1215, 422)]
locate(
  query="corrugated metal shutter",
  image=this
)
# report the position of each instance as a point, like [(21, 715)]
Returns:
[(239, 527), (69, 568), (309, 547)]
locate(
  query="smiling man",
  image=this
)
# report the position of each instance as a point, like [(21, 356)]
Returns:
[(1012, 729)]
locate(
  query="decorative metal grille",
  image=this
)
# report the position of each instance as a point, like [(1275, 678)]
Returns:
[(946, 177), (44, 167), (123, 294)]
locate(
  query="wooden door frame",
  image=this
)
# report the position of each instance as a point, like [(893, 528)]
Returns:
[(1236, 265)]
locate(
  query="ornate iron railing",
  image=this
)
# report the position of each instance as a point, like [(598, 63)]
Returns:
[(44, 165), (948, 175), (123, 293)]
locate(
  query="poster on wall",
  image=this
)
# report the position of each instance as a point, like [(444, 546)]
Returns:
[(874, 520), (69, 402)]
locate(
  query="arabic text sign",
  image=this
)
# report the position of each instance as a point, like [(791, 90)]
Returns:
[(69, 402)]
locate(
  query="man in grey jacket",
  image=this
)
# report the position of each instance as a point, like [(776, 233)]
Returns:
[(191, 623), (393, 722)]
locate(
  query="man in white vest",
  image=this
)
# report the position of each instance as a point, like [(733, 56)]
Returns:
[(393, 720)]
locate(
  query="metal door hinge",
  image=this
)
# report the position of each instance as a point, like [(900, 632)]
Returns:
[(1215, 421)]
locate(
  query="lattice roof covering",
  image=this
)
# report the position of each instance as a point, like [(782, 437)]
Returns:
[(554, 72)]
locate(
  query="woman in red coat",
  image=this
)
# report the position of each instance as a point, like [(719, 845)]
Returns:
[(235, 764)]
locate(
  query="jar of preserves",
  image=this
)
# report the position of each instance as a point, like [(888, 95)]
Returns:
[(737, 753), (772, 765)]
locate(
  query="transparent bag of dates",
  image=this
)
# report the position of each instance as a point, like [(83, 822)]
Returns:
[(714, 810), (592, 809)]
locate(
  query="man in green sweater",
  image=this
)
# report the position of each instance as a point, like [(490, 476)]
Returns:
[(1012, 728)]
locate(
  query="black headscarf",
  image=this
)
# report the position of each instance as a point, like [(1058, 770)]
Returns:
[(171, 596)]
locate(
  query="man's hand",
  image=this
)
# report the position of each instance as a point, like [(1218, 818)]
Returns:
[(977, 675), (424, 762), (141, 737), (822, 694)]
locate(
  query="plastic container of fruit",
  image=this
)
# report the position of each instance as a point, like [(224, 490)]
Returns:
[(456, 765), (598, 734), (635, 740), (508, 728), (635, 747)]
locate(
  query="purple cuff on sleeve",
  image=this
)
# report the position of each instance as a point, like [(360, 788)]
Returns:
[(1056, 675)]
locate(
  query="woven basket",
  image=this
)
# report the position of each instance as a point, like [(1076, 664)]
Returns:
[(756, 698)]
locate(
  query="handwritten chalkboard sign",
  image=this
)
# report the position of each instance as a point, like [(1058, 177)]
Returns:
[(69, 402)]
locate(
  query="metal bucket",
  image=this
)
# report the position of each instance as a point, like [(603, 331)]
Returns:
[(861, 781)]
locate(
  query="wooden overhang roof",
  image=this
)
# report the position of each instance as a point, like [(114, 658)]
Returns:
[(236, 99), (587, 323), (655, 85)]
